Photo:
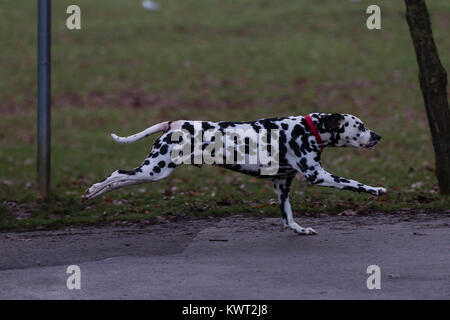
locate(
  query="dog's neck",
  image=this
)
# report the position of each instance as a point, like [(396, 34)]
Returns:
[(329, 139)]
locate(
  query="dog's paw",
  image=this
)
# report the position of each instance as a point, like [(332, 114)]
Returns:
[(377, 191), (305, 231), (85, 196), (89, 193)]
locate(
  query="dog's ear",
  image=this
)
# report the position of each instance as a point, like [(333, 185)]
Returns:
[(334, 121)]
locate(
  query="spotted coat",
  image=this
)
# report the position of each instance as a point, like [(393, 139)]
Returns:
[(298, 151)]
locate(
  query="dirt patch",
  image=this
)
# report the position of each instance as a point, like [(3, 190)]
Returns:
[(18, 211)]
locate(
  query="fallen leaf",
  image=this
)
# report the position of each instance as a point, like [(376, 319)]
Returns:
[(348, 212), (417, 185), (362, 210)]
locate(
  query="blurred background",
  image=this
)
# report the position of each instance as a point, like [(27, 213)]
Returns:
[(237, 60)]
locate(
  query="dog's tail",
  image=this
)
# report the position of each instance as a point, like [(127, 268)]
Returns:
[(163, 126)]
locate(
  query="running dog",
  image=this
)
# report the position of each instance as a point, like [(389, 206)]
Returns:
[(299, 144)]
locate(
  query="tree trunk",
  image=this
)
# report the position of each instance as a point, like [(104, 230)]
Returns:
[(433, 82)]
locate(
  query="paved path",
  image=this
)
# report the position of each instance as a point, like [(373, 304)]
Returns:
[(234, 258)]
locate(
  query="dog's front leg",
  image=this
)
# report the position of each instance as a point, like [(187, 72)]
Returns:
[(319, 176), (282, 188)]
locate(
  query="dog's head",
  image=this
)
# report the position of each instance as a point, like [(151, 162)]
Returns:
[(348, 131)]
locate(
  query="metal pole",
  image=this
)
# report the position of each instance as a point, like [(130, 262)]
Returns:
[(43, 118)]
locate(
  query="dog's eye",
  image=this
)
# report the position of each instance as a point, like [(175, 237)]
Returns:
[(361, 127)]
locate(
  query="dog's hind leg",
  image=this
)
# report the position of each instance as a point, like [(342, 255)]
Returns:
[(150, 170), (157, 166), (282, 188), (116, 180)]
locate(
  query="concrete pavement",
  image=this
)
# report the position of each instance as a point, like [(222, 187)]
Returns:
[(234, 258)]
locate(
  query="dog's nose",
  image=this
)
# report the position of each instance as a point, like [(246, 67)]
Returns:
[(375, 136)]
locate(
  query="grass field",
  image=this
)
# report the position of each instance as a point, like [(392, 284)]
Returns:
[(214, 60)]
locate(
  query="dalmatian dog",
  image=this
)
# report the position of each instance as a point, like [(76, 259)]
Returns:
[(300, 143)]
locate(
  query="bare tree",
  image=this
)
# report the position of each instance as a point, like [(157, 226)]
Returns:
[(433, 82)]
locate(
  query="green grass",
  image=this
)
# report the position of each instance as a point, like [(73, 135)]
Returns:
[(217, 60)]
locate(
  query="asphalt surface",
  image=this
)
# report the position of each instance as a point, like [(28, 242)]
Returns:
[(234, 258)]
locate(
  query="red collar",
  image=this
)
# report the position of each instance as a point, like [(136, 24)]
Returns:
[(314, 131)]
